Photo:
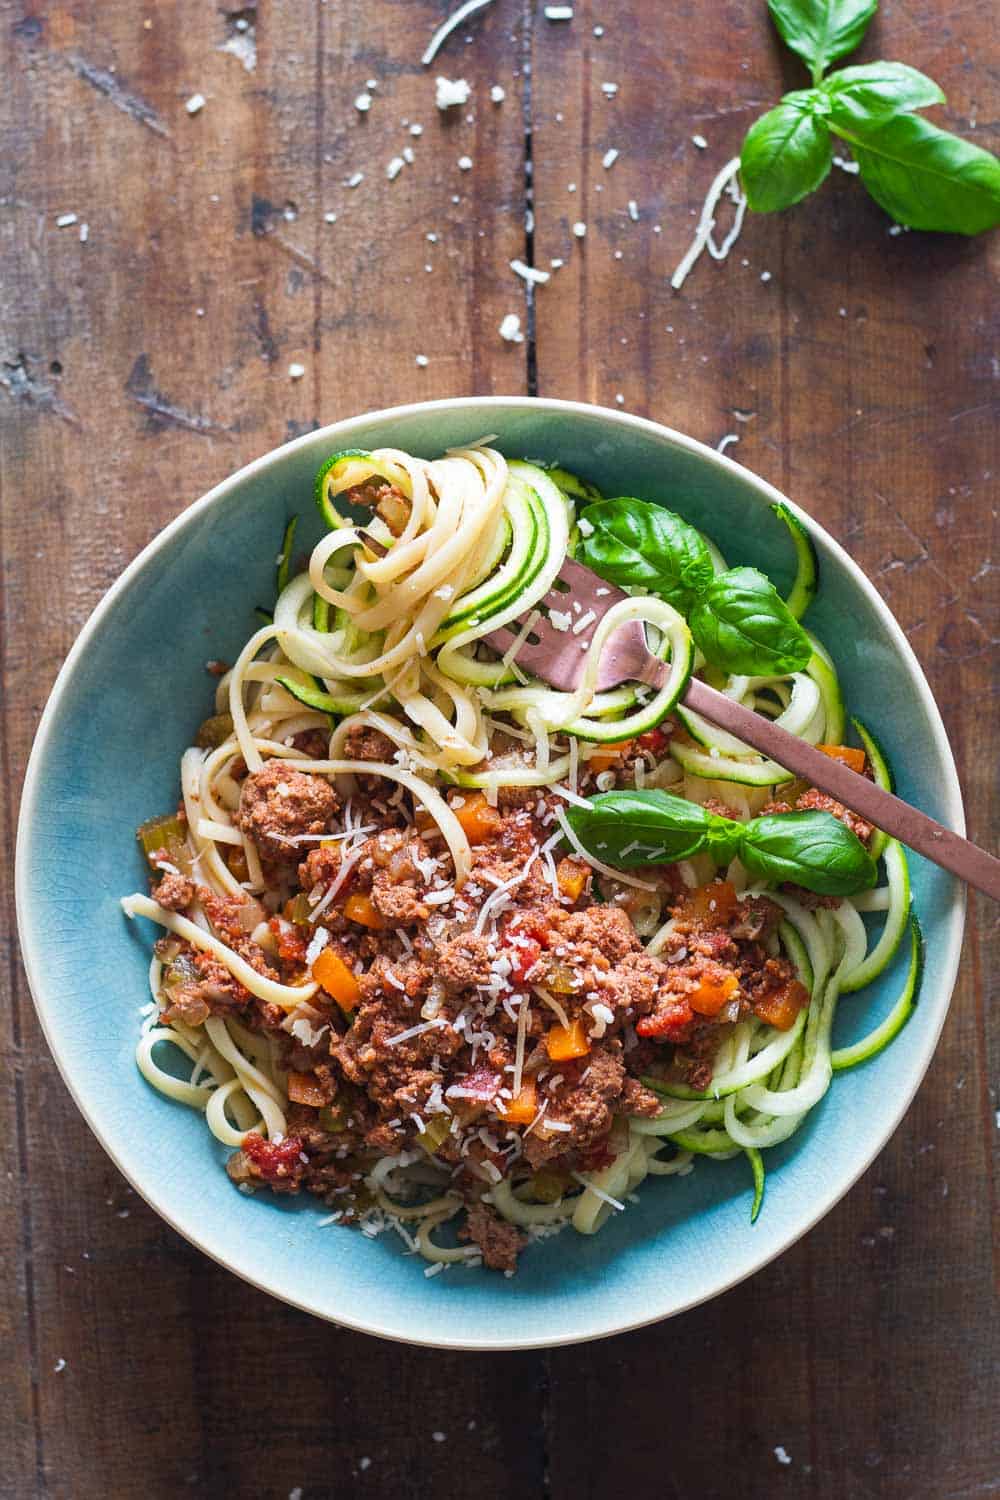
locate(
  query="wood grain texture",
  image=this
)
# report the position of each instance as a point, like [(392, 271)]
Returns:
[(145, 363)]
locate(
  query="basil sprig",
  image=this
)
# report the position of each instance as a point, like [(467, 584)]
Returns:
[(635, 544), (811, 849), (741, 623), (925, 177), (738, 619)]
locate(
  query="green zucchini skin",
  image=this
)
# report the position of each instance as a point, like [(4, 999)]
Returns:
[(806, 583)]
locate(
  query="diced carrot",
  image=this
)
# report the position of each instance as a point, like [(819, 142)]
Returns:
[(359, 908), (780, 1006), (710, 905), (848, 755), (303, 1088), (571, 877), (606, 757), (330, 970), (565, 1042), (480, 822), (712, 993), (523, 1109)]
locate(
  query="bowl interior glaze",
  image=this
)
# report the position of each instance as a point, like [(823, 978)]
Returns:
[(106, 757)]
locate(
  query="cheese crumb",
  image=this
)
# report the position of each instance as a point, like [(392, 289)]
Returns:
[(620, 399), (416, 129), (422, 361), (609, 158), (363, 103), (559, 13), (609, 90), (195, 103), (330, 218), (510, 329), (465, 163), (781, 1455), (633, 210), (497, 94), (450, 92), (560, 620), (65, 220), (296, 371), (700, 142), (355, 179), (394, 168), (527, 273), (580, 229), (765, 275)]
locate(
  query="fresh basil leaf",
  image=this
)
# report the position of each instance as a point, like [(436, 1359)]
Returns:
[(811, 849), (641, 828), (820, 31), (742, 624), (874, 90), (786, 154), (637, 544), (924, 177)]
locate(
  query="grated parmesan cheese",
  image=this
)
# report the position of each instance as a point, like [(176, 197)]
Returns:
[(530, 274), (510, 329), (450, 93), (445, 30)]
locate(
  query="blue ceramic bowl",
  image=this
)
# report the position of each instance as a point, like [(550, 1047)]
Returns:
[(106, 757)]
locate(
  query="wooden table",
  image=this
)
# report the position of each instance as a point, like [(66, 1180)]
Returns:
[(149, 348)]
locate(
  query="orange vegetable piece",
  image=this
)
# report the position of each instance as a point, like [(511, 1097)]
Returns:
[(710, 905), (359, 908), (608, 756), (848, 755), (523, 1109), (480, 822), (565, 1042), (780, 1006), (571, 877), (304, 1089), (330, 970), (712, 993)]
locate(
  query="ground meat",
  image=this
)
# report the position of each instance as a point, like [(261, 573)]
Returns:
[(365, 743), (811, 799), (811, 900), (278, 804), (584, 1103), (498, 1240), (174, 892), (312, 742), (226, 914), (463, 962), (397, 903), (720, 809), (636, 1099), (604, 928), (385, 499), (319, 867), (755, 919)]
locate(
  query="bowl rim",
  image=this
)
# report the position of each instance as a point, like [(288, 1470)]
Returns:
[(953, 915)]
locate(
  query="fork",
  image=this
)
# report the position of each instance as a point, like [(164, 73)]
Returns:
[(555, 656)]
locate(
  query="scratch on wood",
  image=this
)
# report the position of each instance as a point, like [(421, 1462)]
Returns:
[(141, 389), (130, 104), (19, 383)]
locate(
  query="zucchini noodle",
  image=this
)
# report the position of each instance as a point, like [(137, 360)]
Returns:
[(382, 634)]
